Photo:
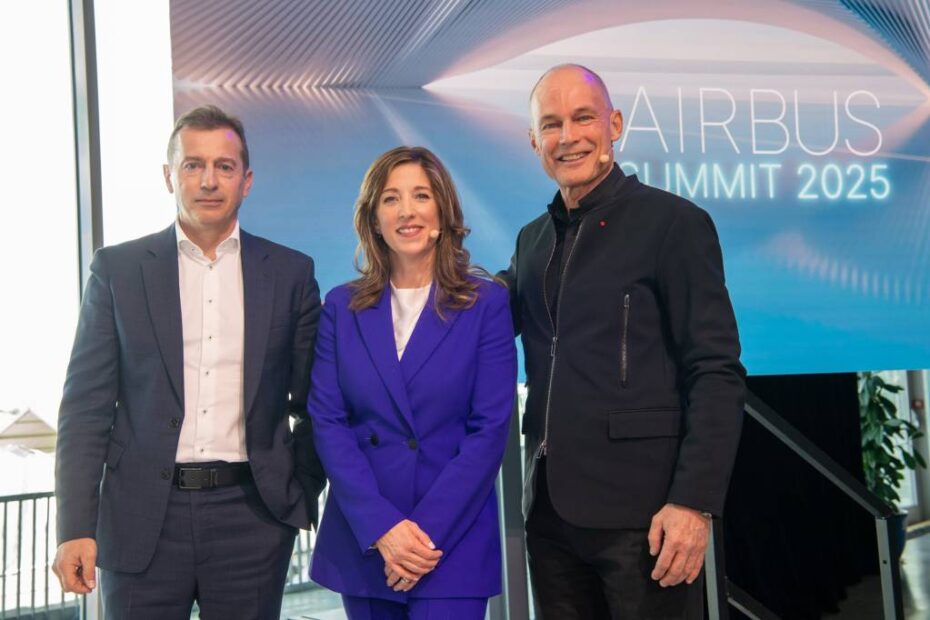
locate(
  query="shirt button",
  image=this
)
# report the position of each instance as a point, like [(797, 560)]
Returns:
[(207, 372), (203, 411), (209, 337), (209, 301), (201, 450), (374, 440), (175, 422), (412, 443), (166, 474)]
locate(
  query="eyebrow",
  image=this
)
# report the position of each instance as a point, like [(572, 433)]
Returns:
[(417, 187), (195, 158), (581, 110)]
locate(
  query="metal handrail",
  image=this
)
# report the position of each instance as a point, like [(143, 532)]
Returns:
[(27, 544), (25, 497), (817, 458), (27, 585), (721, 592)]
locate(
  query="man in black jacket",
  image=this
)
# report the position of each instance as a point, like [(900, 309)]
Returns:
[(632, 360)]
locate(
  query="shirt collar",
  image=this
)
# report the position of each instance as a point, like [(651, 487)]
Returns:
[(229, 245)]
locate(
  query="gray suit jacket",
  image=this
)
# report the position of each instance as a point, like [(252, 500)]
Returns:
[(123, 402)]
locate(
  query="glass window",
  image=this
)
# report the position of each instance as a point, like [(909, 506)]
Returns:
[(136, 116), (39, 285), (39, 276)]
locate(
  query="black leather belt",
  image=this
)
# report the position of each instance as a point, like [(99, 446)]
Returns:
[(194, 477)]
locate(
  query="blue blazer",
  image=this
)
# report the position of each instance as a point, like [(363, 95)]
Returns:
[(421, 438), (123, 403)]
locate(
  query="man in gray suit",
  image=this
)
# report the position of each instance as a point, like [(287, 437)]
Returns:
[(178, 473)]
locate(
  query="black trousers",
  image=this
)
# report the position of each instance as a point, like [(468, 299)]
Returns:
[(220, 547), (593, 574)]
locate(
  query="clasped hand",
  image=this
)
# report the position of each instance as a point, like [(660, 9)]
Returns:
[(408, 554)]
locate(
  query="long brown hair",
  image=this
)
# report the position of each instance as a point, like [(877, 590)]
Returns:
[(455, 290)]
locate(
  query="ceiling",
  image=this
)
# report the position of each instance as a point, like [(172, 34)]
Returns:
[(300, 44)]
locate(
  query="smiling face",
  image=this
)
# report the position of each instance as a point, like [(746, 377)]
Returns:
[(208, 179), (406, 214), (573, 125)]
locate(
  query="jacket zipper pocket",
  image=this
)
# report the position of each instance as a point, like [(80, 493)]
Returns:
[(624, 355)]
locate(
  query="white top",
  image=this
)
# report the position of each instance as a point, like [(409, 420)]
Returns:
[(406, 306), (213, 327)]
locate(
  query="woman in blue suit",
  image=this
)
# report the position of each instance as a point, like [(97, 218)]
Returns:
[(412, 391)]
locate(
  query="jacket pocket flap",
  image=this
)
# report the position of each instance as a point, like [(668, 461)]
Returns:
[(644, 423), (114, 453)]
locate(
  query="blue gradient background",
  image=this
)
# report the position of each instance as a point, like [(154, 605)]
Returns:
[(818, 286)]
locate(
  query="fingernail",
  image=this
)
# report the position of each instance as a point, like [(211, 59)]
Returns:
[(431, 545)]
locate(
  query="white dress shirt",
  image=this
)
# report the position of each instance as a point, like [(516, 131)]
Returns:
[(213, 327), (406, 306)]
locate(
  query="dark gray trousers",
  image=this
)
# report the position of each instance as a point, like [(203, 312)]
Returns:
[(220, 547)]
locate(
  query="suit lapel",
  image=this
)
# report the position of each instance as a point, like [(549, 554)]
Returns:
[(428, 333), (163, 296), (258, 296), (377, 329)]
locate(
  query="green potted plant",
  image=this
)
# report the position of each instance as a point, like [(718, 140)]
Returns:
[(887, 444)]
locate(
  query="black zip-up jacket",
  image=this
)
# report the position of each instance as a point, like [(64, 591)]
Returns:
[(635, 389)]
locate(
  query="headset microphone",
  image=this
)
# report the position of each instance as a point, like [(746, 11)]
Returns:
[(604, 158), (434, 234)]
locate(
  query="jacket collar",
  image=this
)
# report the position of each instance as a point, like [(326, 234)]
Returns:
[(258, 285), (162, 294), (376, 325), (601, 196), (161, 282), (427, 334)]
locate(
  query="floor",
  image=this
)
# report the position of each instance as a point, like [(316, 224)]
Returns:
[(313, 605)]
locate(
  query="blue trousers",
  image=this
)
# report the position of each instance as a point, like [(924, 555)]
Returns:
[(361, 608), (220, 547)]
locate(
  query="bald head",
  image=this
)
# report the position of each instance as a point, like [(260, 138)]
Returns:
[(574, 126), (580, 71)]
